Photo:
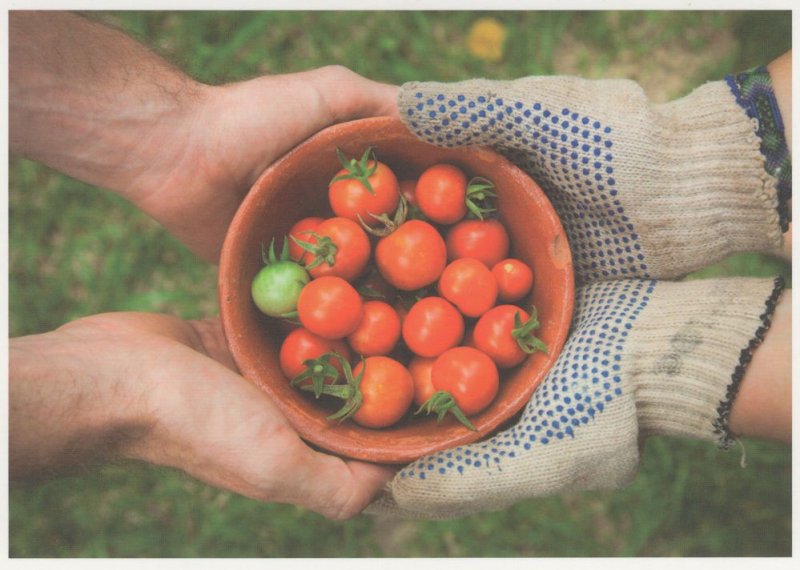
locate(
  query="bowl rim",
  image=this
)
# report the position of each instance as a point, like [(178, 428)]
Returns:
[(335, 440)]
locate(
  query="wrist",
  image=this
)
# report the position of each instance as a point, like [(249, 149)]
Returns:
[(65, 409), (159, 147), (102, 109), (763, 406)]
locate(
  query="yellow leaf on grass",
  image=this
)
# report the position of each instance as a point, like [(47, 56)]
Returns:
[(486, 38)]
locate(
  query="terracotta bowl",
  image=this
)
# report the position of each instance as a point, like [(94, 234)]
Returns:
[(295, 187)]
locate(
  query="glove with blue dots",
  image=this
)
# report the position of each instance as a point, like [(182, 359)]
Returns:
[(646, 193), (643, 190), (644, 357)]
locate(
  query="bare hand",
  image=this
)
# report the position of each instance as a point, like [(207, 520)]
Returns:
[(234, 132), (163, 390)]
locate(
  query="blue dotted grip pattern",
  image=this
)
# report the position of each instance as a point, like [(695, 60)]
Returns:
[(570, 155), (583, 383)]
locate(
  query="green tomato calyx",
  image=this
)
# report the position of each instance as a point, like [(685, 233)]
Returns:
[(360, 170), (524, 333), (318, 370), (442, 402), (350, 391), (270, 258), (481, 197), (387, 225), (323, 249)]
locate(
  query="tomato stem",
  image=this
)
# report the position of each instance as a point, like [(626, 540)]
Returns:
[(323, 249), (523, 333), (387, 224), (317, 370), (442, 402), (359, 170), (480, 197), (270, 258), (350, 391)]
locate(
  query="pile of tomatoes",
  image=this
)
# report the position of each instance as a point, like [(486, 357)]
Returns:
[(404, 295)]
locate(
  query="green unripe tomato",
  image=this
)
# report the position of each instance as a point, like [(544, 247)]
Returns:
[(276, 288)]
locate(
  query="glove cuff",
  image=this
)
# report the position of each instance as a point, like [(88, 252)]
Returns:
[(754, 93), (687, 358), (713, 195)]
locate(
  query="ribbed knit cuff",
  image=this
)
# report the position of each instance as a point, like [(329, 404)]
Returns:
[(690, 350), (719, 199)]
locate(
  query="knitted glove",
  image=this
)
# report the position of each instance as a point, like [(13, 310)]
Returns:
[(645, 357), (643, 190)]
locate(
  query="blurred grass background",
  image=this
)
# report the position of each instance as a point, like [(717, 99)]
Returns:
[(76, 250)]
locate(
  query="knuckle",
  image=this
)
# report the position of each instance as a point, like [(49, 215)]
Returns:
[(335, 71)]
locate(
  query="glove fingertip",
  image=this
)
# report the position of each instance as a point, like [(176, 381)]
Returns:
[(437, 113), (407, 97)]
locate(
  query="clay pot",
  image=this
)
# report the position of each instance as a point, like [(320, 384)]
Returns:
[(295, 187)]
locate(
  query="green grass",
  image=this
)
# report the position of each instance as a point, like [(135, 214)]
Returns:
[(76, 250)]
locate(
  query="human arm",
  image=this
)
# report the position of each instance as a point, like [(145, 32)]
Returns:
[(135, 386), (763, 407), (89, 101), (95, 104)]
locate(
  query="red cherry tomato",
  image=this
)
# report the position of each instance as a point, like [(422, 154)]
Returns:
[(350, 198), (420, 369), (408, 190), (485, 240), (469, 285), (340, 248), (378, 332), (432, 326), (493, 335), (330, 307), (411, 257), (387, 390), (514, 280), (402, 311), (441, 193), (301, 345), (469, 375), (300, 231)]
